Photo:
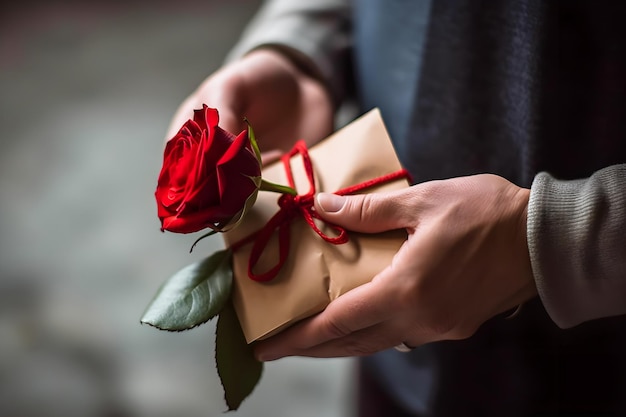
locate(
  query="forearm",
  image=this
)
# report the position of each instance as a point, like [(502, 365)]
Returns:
[(577, 244), (315, 34)]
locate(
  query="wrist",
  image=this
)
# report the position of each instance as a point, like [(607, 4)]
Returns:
[(529, 287)]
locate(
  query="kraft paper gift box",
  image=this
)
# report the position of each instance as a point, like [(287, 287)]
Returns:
[(316, 271)]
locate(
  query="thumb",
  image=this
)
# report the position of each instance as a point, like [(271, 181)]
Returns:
[(367, 213)]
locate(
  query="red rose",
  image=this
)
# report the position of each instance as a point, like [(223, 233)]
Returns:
[(208, 177)]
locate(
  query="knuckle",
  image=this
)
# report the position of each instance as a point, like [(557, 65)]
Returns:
[(358, 207), (359, 348), (463, 332), (336, 329), (370, 206), (437, 327), (365, 208), (450, 329), (441, 328)]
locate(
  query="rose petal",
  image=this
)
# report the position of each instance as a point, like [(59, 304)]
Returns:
[(235, 188), (196, 221), (204, 194), (198, 118), (203, 179), (235, 148), (211, 116)]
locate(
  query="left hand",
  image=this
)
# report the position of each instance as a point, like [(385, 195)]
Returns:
[(282, 103), (465, 261)]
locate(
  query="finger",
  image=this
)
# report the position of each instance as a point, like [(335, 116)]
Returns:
[(227, 119), (368, 213), (230, 113), (363, 342), (226, 93), (223, 93), (360, 308)]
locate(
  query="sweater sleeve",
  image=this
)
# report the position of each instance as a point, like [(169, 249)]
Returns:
[(577, 244), (315, 34)]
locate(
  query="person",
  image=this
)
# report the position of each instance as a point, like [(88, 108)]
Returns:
[(511, 117)]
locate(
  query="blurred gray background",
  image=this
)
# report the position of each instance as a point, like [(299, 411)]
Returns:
[(87, 90)]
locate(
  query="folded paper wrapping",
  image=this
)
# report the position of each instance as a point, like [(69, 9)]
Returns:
[(316, 272)]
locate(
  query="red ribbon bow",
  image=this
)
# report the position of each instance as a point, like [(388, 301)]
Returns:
[(293, 205)]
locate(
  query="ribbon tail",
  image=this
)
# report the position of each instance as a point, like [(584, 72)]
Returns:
[(284, 236)]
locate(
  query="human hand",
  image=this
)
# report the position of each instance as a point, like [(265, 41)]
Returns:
[(465, 260), (282, 103)]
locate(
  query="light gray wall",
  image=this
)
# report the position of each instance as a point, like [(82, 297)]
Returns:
[(86, 93)]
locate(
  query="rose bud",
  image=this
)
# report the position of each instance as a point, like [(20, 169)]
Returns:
[(209, 177)]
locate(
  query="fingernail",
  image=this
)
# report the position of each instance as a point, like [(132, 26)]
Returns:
[(330, 203)]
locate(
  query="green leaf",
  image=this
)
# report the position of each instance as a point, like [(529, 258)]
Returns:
[(193, 295), (239, 371)]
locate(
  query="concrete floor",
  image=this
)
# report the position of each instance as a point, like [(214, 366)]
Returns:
[(86, 93)]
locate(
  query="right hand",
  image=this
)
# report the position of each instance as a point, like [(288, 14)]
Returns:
[(465, 261), (282, 103)]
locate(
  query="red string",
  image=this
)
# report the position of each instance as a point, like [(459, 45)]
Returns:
[(291, 206)]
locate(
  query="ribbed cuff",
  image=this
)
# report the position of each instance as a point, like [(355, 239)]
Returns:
[(577, 244)]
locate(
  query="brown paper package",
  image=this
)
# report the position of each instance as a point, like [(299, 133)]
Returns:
[(316, 272)]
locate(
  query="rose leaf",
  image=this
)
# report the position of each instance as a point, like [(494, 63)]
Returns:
[(193, 295), (237, 367)]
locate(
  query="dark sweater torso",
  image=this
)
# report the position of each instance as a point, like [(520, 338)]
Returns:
[(510, 88)]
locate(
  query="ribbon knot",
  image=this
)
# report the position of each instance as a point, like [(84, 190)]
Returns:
[(302, 204), (293, 203), (287, 202)]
